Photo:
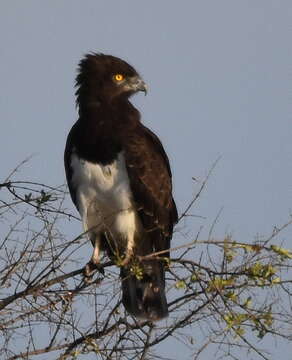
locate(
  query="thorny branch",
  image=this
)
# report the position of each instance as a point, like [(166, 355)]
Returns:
[(225, 299)]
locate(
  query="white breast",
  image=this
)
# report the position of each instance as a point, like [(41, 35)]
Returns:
[(104, 197)]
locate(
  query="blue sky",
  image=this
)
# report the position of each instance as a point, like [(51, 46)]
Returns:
[(219, 74)]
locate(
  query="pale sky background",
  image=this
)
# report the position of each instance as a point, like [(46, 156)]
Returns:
[(219, 74)]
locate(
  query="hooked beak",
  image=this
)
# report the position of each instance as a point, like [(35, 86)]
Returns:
[(137, 84)]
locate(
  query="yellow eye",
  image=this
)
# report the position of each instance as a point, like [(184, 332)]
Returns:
[(119, 77)]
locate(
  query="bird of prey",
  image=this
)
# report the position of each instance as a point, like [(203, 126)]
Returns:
[(120, 180)]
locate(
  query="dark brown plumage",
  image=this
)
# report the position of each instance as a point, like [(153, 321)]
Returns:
[(112, 160)]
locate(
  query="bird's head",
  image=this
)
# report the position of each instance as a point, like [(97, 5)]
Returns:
[(104, 78)]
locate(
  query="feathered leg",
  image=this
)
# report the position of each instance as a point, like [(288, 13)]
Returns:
[(92, 265)]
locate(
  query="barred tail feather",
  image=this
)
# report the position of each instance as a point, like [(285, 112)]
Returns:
[(145, 298)]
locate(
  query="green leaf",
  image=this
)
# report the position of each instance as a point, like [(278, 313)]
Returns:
[(180, 284)]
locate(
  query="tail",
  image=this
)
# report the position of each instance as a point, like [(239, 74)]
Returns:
[(145, 298)]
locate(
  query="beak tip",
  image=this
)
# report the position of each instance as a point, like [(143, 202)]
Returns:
[(137, 84), (143, 87)]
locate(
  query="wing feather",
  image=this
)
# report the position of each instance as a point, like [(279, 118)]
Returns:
[(151, 184)]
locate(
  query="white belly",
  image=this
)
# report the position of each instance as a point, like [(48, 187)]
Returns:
[(104, 197)]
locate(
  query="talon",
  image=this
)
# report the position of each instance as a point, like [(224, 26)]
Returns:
[(87, 279), (90, 269)]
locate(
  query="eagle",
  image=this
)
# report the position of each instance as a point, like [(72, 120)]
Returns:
[(120, 181)]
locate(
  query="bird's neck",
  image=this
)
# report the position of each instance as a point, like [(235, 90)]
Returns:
[(103, 128), (119, 112)]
